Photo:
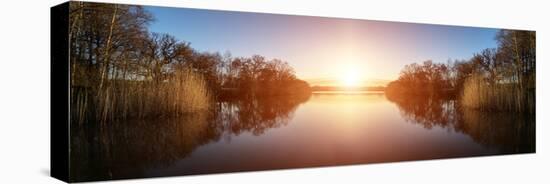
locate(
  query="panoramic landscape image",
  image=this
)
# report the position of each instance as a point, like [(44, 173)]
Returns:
[(159, 91)]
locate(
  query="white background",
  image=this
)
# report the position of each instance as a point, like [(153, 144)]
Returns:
[(24, 91)]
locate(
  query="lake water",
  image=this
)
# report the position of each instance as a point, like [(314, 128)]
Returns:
[(324, 129)]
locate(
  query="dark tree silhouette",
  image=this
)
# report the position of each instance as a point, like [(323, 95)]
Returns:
[(120, 70), (496, 79)]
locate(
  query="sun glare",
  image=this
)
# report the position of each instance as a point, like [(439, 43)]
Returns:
[(350, 78)]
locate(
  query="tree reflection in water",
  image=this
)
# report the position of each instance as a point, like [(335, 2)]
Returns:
[(118, 150), (256, 115), (507, 132)]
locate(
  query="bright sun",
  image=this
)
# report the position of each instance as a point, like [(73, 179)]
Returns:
[(350, 78)]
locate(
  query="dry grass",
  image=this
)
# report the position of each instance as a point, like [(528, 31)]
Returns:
[(185, 92), (478, 94)]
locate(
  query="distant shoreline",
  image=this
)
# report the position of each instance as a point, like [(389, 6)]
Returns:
[(347, 92), (347, 89)]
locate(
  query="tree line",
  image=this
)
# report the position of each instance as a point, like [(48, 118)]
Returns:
[(119, 69), (495, 79)]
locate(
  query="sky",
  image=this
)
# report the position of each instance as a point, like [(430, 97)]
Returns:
[(323, 49)]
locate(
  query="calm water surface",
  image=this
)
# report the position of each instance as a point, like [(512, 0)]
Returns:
[(323, 129)]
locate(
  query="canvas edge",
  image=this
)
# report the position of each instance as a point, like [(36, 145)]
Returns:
[(59, 92)]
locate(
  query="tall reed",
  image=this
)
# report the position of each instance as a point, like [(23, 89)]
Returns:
[(183, 92), (478, 94)]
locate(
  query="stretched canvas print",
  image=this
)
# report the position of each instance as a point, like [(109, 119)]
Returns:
[(147, 91)]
